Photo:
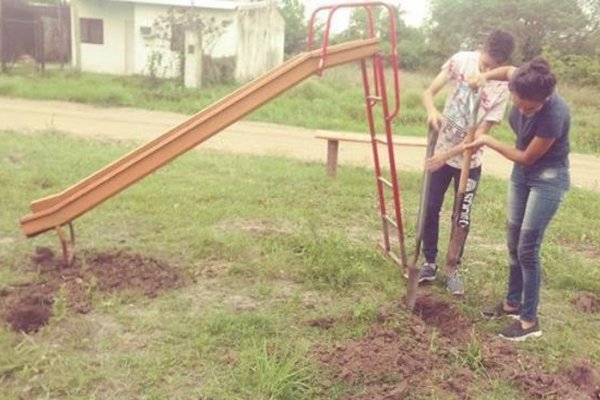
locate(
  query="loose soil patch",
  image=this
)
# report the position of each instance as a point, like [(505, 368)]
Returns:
[(441, 352), (586, 377), (437, 313), (586, 302), (388, 364), (579, 381), (28, 307)]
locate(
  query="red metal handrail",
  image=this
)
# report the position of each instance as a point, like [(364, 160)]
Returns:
[(393, 39)]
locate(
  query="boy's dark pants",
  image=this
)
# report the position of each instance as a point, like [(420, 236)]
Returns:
[(440, 180)]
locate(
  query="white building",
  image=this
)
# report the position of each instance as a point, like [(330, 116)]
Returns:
[(120, 37)]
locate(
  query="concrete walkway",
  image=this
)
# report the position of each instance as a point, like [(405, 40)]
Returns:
[(243, 137)]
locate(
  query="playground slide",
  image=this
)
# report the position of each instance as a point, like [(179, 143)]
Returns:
[(60, 209)]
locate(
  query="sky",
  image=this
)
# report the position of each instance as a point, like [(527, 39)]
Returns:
[(415, 11)]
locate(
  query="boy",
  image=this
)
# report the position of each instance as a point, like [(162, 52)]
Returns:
[(453, 125)]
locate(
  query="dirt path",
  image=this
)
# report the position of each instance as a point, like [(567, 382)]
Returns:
[(242, 137)]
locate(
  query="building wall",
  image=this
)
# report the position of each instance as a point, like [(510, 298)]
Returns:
[(226, 44), (110, 56), (148, 48), (260, 46), (254, 36), (166, 63)]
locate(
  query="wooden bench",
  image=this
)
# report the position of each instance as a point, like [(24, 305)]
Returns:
[(334, 139)]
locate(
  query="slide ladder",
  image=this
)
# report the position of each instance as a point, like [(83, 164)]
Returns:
[(377, 103)]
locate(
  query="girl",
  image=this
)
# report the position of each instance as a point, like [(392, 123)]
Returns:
[(538, 183)]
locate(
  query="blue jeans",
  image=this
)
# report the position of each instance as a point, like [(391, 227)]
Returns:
[(533, 198), (440, 180)]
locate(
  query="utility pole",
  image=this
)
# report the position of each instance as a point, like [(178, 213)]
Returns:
[(2, 38), (75, 36), (61, 33)]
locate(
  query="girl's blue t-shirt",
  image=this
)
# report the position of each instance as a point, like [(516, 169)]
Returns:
[(553, 120)]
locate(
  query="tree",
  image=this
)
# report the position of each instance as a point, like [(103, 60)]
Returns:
[(295, 26), (413, 52), (359, 26), (567, 32), (465, 23)]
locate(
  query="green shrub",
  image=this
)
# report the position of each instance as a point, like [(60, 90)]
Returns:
[(575, 68)]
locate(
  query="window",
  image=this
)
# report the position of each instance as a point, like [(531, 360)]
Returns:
[(145, 30), (92, 30), (177, 38)]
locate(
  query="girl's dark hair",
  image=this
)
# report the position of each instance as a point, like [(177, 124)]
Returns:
[(533, 80)]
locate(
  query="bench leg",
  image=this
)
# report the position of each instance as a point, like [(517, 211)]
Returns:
[(332, 156)]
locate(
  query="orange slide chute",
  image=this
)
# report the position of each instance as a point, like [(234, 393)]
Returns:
[(55, 211)]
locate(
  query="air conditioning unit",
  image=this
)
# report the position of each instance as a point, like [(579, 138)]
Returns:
[(145, 30)]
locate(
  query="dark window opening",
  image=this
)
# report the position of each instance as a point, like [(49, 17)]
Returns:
[(92, 31), (177, 38)]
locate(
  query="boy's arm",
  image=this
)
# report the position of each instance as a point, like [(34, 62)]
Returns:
[(434, 117)]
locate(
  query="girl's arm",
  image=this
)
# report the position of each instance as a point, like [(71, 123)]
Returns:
[(536, 148), (438, 160), (496, 74)]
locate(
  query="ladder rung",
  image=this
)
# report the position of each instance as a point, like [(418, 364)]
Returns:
[(385, 181), (390, 220), (391, 254), (381, 141), (395, 258), (375, 98)]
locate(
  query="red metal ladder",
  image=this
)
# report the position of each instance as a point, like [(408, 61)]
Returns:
[(376, 95), (391, 214)]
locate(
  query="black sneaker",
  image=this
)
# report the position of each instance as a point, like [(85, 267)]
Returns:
[(516, 333), (498, 311), (427, 272)]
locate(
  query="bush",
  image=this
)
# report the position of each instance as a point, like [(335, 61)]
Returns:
[(574, 68)]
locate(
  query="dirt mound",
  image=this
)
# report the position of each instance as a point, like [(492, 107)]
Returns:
[(29, 313), (438, 313), (586, 302), (131, 272), (389, 365), (505, 360), (585, 376), (27, 307), (539, 385)]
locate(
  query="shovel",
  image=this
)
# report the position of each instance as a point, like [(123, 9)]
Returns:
[(461, 216), (412, 283)]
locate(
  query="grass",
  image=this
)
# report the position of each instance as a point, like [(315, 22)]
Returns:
[(292, 246), (333, 102)]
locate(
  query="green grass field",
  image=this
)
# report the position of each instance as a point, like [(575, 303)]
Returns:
[(264, 246)]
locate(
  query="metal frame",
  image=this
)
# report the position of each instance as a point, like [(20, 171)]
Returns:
[(380, 96), (67, 245), (55, 211)]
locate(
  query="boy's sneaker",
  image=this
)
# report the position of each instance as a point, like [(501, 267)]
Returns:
[(454, 284), (498, 311), (516, 333), (427, 272)]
